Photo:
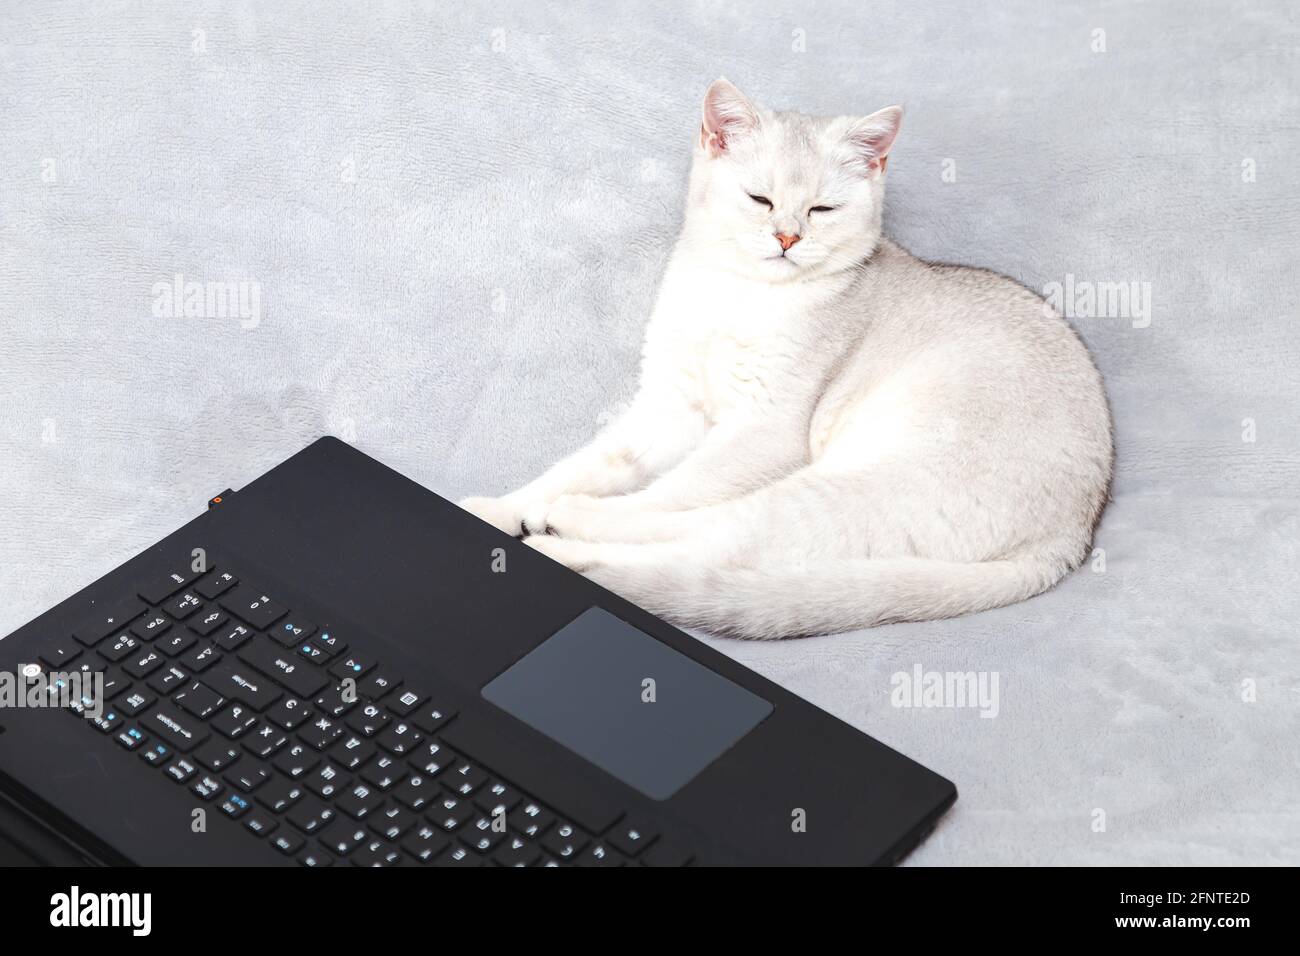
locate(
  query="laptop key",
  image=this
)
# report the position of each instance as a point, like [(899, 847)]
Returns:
[(330, 642), (327, 781), (168, 679), (290, 671), (234, 805), (289, 713), (343, 837), (156, 754), (564, 841), (260, 824), (237, 681), (199, 700), (168, 584), (178, 730), (249, 778), (353, 752), (316, 859), (601, 854), (201, 658), (280, 794), (360, 801), (402, 702), (516, 851), (177, 642), (288, 842), (310, 815), (208, 621), (181, 769), (183, 605), (377, 853), (252, 606), (217, 585), (59, 653), (119, 647), (296, 760), (292, 632), (631, 837), (264, 741), (354, 666), (133, 703), (216, 755), (111, 620), (143, 665), (369, 720), (229, 639), (416, 792), (235, 721), (392, 820), (150, 626), (424, 842)]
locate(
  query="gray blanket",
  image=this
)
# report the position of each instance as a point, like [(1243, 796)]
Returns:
[(449, 220)]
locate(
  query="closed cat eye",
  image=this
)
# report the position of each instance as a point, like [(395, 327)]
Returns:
[(823, 208), (763, 200)]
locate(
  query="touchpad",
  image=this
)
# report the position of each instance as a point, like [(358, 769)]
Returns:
[(627, 702)]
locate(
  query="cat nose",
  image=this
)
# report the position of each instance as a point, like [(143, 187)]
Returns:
[(786, 240)]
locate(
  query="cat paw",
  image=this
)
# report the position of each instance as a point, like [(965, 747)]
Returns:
[(504, 514), (571, 515)]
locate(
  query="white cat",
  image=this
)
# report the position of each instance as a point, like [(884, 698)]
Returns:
[(829, 433)]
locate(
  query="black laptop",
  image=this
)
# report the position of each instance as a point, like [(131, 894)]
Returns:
[(336, 666)]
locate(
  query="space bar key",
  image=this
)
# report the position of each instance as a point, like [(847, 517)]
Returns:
[(286, 669)]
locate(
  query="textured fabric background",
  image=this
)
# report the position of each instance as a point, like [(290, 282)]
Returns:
[(456, 214)]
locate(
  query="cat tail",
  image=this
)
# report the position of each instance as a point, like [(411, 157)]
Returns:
[(841, 595)]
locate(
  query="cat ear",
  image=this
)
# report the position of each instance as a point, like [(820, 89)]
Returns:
[(871, 137), (727, 114)]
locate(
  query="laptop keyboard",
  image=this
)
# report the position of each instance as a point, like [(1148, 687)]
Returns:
[(310, 744)]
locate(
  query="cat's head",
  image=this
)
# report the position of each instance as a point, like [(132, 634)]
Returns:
[(783, 196)]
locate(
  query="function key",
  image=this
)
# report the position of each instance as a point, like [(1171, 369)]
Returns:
[(168, 584), (217, 585), (252, 606), (110, 621)]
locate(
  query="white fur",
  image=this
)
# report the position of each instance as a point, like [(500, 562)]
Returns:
[(836, 437)]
